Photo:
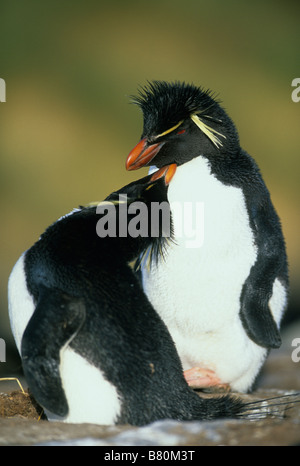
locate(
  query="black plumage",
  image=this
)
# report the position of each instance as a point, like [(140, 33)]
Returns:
[(88, 297), (165, 104)]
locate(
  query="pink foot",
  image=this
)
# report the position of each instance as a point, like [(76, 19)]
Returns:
[(198, 377)]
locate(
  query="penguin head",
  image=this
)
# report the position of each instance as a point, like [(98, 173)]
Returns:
[(181, 122), (151, 188), (143, 205)]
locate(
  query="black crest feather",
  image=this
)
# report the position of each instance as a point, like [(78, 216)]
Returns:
[(165, 104)]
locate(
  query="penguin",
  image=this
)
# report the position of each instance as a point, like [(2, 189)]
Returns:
[(93, 348), (221, 292)]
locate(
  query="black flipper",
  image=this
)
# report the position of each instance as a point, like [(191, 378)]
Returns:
[(56, 314), (257, 318), (271, 263)]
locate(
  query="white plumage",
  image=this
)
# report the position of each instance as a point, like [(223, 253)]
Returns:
[(196, 290)]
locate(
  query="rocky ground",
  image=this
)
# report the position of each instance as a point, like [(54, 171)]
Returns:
[(22, 422)]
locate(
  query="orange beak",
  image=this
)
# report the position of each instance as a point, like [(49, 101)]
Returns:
[(142, 154), (168, 172)]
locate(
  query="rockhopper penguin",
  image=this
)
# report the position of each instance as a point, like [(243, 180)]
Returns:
[(93, 348), (222, 300)]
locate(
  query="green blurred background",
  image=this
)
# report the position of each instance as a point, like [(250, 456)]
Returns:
[(67, 126)]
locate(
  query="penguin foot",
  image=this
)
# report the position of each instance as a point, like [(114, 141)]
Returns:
[(198, 377)]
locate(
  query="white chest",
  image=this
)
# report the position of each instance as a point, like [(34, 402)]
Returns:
[(200, 281), (196, 290)]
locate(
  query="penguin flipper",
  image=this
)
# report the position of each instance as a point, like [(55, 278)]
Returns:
[(271, 263), (258, 321), (61, 316)]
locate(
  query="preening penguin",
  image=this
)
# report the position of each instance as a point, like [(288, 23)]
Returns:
[(223, 298), (93, 348)]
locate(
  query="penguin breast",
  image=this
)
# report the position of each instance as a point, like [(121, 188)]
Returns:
[(201, 279), (197, 288)]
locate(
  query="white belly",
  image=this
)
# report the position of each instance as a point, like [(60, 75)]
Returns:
[(91, 398), (196, 290)]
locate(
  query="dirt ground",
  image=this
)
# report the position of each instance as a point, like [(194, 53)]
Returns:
[(22, 423), (17, 403)]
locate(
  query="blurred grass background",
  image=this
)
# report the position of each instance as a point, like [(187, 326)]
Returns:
[(66, 126)]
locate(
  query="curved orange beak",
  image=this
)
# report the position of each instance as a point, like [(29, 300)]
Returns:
[(142, 154)]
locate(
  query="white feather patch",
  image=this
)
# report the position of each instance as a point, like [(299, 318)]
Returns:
[(91, 398), (197, 290), (20, 301)]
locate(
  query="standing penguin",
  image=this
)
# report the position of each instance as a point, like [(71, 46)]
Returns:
[(223, 298), (93, 349)]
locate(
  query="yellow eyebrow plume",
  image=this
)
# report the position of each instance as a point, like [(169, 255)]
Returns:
[(170, 130), (208, 131)]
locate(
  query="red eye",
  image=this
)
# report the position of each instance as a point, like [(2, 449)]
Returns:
[(181, 132)]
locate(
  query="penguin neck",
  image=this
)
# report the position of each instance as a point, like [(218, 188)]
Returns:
[(187, 194), (186, 183)]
